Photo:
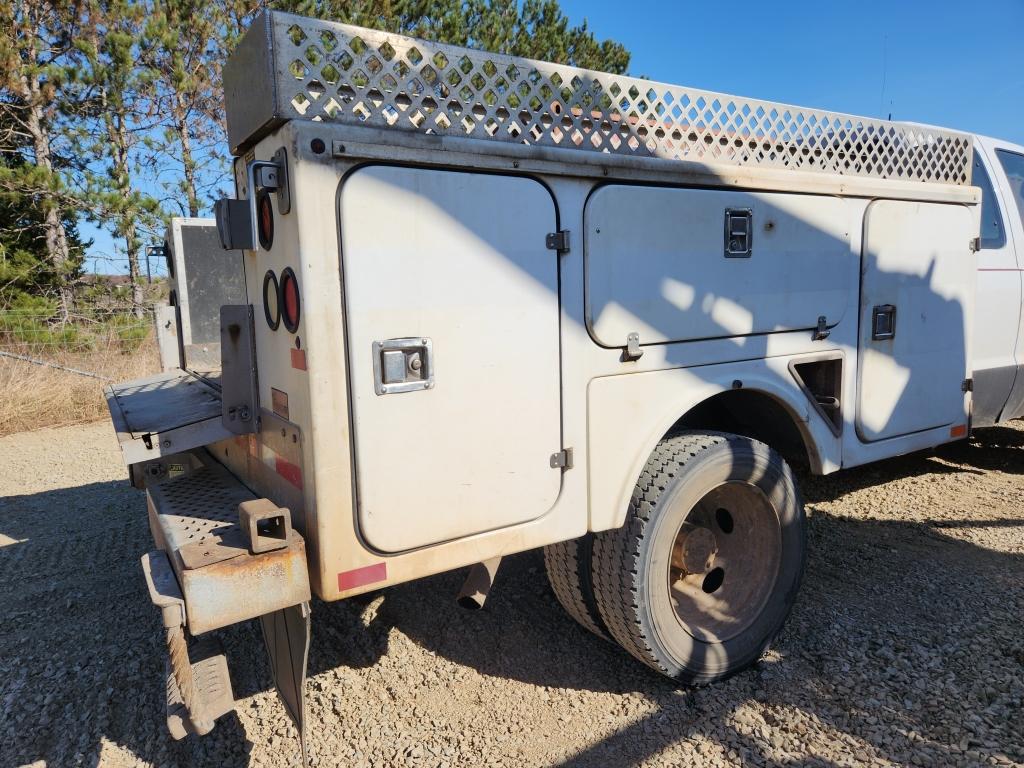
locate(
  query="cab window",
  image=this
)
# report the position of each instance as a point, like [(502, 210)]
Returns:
[(1013, 167), (992, 235)]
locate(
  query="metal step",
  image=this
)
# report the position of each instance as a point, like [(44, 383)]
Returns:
[(195, 520), (164, 414), (212, 683)]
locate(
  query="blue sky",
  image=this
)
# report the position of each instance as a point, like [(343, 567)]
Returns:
[(954, 64)]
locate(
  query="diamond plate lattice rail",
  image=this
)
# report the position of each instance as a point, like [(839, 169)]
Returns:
[(291, 67)]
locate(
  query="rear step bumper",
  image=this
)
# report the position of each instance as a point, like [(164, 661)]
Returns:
[(195, 520), (209, 573)]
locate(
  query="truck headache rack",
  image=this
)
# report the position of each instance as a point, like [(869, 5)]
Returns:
[(308, 69)]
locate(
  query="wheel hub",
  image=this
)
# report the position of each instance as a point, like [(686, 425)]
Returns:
[(724, 563), (694, 550)]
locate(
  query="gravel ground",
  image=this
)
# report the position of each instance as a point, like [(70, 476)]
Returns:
[(905, 647)]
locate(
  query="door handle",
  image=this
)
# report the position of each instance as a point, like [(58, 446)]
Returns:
[(883, 322)]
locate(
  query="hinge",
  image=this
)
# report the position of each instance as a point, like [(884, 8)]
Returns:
[(562, 459), (821, 332), (975, 244), (284, 194), (633, 350), (967, 385), (558, 241)]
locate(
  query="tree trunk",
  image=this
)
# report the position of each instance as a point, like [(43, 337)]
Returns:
[(56, 237), (180, 114), (131, 242), (118, 135)]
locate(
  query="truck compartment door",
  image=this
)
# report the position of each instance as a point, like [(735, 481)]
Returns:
[(686, 264), (917, 302), (452, 310)]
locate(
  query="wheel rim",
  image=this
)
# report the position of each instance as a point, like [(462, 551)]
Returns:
[(725, 562)]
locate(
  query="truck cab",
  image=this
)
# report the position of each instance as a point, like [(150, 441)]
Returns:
[(998, 170)]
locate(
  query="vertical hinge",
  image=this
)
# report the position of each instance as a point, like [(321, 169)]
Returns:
[(967, 386), (558, 241), (284, 194), (821, 332), (633, 350), (975, 244), (562, 459)]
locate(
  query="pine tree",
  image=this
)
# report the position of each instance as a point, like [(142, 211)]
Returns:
[(33, 73), (180, 48), (537, 29), (28, 277), (116, 121)]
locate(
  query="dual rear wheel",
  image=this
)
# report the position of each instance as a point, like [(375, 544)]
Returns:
[(702, 574)]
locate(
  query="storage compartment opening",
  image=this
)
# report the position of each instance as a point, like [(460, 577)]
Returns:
[(822, 381)]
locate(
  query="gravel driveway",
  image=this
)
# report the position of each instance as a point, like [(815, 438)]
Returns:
[(906, 646)]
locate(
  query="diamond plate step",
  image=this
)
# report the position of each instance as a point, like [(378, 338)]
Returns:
[(194, 519)]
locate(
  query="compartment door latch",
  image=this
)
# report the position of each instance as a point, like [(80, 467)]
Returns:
[(883, 322), (403, 365), (739, 233)]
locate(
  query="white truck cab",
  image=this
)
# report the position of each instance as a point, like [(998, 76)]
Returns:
[(998, 170)]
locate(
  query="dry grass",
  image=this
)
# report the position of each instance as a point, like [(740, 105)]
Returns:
[(35, 396)]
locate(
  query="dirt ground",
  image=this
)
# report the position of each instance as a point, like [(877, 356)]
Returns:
[(906, 646)]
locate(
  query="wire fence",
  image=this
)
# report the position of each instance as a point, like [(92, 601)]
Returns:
[(52, 372), (31, 333)]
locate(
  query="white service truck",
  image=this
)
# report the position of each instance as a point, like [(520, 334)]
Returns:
[(494, 304)]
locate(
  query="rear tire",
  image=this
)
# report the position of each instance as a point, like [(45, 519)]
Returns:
[(568, 564), (700, 578)]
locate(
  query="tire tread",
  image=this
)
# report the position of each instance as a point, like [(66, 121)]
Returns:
[(617, 553), (568, 565)]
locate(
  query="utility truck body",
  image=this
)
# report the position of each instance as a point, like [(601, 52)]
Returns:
[(493, 304)]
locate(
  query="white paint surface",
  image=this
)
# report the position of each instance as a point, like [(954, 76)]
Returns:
[(656, 264), (917, 257), (460, 259)]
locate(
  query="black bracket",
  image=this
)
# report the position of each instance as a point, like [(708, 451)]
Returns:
[(558, 241)]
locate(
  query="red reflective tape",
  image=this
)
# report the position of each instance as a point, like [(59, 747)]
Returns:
[(290, 472), (299, 359), (359, 577)]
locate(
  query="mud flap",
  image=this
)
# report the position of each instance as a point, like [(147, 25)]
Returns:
[(286, 633)]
